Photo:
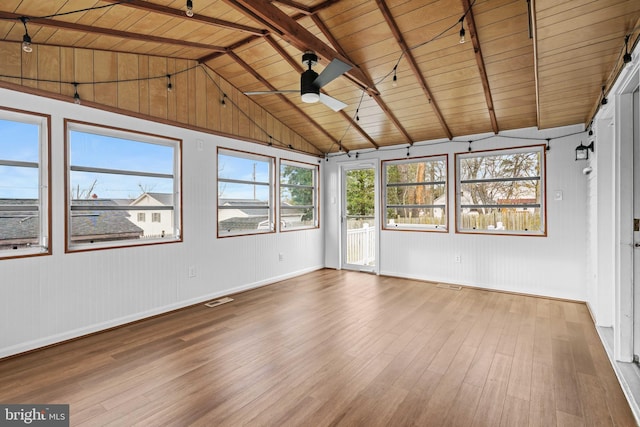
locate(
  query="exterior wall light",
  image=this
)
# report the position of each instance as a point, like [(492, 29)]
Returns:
[(582, 151)]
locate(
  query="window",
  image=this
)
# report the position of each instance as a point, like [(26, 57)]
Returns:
[(415, 194), (24, 184), (298, 195), (115, 176), (245, 193), (155, 217), (501, 191)]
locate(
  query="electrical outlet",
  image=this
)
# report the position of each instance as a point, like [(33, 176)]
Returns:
[(192, 271), (458, 258)]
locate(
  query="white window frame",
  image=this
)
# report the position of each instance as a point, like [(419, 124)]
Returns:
[(131, 135), (43, 206), (270, 222), (460, 204), (416, 227), (314, 187)]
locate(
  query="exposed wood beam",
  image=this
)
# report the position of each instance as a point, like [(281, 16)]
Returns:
[(534, 32), (385, 108), (45, 22), (152, 7), (234, 46), (321, 6), (471, 24), (296, 66), (413, 65), (295, 5), (264, 81), (296, 34)]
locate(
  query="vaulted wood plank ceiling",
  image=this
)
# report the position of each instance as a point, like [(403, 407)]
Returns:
[(524, 63)]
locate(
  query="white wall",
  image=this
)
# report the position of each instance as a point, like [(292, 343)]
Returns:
[(550, 266), (47, 299)]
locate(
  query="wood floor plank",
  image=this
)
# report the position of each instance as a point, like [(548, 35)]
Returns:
[(336, 348)]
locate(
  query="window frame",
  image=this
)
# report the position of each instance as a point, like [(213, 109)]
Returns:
[(130, 135), (43, 121), (271, 184), (315, 188), (539, 148), (416, 227)]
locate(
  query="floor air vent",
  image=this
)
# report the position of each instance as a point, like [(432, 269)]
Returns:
[(448, 286), (218, 302)]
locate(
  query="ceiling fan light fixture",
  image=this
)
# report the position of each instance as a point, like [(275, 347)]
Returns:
[(310, 97), (309, 92)]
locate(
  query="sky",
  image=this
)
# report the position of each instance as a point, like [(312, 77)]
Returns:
[(18, 142)]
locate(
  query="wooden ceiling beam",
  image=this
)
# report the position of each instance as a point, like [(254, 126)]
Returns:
[(296, 66), (385, 108), (264, 81), (471, 24), (46, 22), (297, 35), (164, 10), (413, 65), (295, 5)]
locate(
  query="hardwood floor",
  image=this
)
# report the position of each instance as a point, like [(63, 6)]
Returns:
[(336, 348)]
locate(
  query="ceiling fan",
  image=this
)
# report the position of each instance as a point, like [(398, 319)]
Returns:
[(311, 82)]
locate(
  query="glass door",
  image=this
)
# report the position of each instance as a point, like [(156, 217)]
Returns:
[(359, 219)]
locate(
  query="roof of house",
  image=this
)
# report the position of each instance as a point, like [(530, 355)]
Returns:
[(24, 224)]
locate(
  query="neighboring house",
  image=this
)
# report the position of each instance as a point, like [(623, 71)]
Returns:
[(18, 228), (242, 214), (88, 226), (154, 223)]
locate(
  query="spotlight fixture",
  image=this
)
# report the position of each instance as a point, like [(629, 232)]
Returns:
[(357, 155), (357, 116), (394, 82), (627, 56), (469, 149), (582, 151), (408, 152), (169, 85), (189, 11), (26, 39), (326, 157), (76, 96), (224, 104), (604, 99), (462, 32)]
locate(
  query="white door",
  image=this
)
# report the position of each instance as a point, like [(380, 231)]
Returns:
[(358, 217)]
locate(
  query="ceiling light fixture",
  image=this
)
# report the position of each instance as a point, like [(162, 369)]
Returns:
[(26, 39), (627, 56), (169, 85), (462, 32), (224, 104), (189, 11), (394, 83)]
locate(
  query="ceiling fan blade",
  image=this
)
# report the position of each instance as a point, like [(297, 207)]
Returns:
[(267, 92), (332, 103), (335, 69)]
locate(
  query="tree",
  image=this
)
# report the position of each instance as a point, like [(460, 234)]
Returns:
[(298, 196), (360, 192)]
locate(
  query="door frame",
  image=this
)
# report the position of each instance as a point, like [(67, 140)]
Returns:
[(342, 226)]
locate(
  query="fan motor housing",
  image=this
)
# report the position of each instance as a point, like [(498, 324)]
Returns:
[(309, 92)]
